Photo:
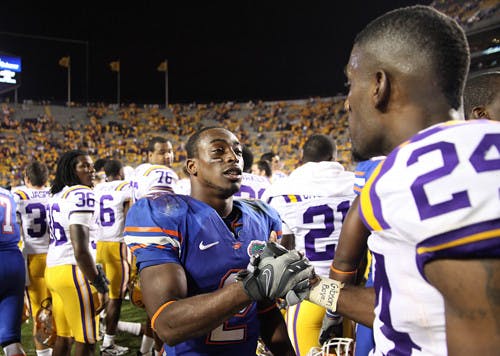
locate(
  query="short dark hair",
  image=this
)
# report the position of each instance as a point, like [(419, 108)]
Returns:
[(480, 90), (423, 32), (154, 141), (65, 171), (192, 142), (247, 159), (265, 166), (268, 156), (99, 164), (37, 173), (112, 167), (319, 148)]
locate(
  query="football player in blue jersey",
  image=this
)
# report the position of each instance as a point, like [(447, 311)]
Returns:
[(12, 275), (193, 251), (432, 205)]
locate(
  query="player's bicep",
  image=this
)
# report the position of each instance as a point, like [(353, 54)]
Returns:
[(471, 292), (352, 243), (162, 283)]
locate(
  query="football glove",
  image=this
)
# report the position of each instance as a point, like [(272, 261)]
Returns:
[(331, 326), (277, 272)]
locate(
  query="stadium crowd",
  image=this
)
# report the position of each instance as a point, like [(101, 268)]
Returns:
[(334, 232), (110, 132)]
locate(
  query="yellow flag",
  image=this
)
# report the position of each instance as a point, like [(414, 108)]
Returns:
[(163, 67), (115, 66), (64, 62)]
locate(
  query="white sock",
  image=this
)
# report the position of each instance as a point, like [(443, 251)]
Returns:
[(14, 349), (44, 352), (129, 327), (108, 340), (146, 344)]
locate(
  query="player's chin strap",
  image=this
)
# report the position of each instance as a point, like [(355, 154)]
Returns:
[(325, 292)]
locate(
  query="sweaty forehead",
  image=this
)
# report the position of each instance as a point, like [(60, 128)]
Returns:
[(218, 135)]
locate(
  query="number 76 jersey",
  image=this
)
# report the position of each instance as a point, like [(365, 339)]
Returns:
[(436, 196)]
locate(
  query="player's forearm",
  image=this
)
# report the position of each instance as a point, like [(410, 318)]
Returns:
[(84, 260), (274, 333), (86, 264), (357, 303), (195, 316)]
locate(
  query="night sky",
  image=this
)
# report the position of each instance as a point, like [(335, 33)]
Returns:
[(216, 50)]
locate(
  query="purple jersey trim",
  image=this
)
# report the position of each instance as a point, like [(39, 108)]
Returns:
[(481, 240)]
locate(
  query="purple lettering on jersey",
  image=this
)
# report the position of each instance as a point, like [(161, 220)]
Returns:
[(478, 158), (383, 294), (458, 201), (40, 221), (106, 214)]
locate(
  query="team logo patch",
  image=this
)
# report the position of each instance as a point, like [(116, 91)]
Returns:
[(255, 247)]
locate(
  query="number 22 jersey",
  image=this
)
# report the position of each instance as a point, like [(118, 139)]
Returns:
[(169, 228), (436, 196)]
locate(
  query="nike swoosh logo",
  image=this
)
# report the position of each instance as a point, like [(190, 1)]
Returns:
[(204, 247), (267, 277)]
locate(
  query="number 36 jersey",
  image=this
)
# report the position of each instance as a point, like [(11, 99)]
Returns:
[(77, 198), (436, 196)]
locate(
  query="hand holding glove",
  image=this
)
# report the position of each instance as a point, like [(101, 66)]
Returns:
[(278, 273)]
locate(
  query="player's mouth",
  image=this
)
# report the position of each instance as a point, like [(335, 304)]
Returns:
[(233, 174)]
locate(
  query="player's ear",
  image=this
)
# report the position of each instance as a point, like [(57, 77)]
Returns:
[(382, 90), (479, 112), (191, 167)]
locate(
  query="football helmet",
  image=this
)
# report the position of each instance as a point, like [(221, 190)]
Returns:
[(44, 324), (134, 291), (338, 346)]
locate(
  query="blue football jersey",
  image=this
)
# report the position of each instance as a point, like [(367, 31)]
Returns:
[(9, 232), (168, 228)]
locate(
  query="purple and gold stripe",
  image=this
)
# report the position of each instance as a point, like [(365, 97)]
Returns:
[(73, 188), (86, 304), (21, 194), (121, 186), (370, 207), (292, 198), (480, 240)]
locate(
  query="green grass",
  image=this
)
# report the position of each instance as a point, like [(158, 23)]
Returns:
[(128, 313)]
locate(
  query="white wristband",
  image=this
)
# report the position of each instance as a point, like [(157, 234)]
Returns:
[(326, 293)]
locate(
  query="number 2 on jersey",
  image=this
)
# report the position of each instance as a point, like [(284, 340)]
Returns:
[(325, 212)]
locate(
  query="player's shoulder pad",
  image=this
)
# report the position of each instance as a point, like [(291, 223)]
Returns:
[(162, 204), (257, 206), (20, 194)]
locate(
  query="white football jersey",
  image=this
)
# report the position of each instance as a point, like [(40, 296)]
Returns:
[(434, 197), (252, 186), (149, 177), (313, 202), (183, 186), (32, 210), (77, 198), (110, 199)]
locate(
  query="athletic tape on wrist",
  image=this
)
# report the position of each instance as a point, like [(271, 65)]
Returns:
[(326, 293)]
